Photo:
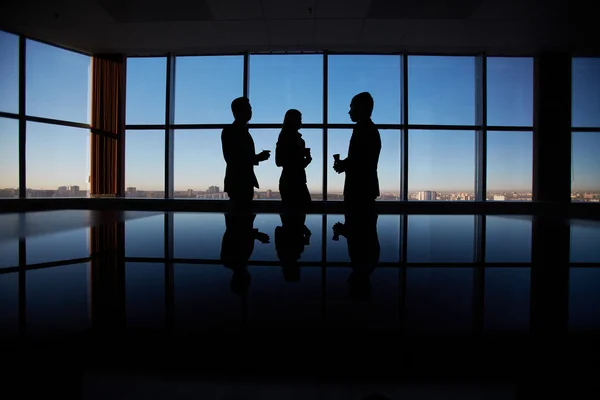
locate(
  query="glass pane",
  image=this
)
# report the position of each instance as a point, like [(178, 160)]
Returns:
[(9, 252), (58, 246), (585, 236), (388, 232), (281, 82), (145, 236), (145, 164), (146, 90), (145, 295), (198, 235), (205, 87), (9, 304), (584, 299), (441, 238), (268, 173), (441, 90), (9, 157), (58, 161), (379, 75), (508, 238), (356, 303), (9, 71), (585, 167), (510, 91), (58, 83), (507, 299), (303, 251), (439, 300), (298, 303), (199, 167), (509, 166), (586, 92), (441, 165), (197, 289), (388, 168), (58, 299)]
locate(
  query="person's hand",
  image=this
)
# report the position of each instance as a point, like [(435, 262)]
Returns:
[(309, 158), (338, 167), (339, 228), (262, 237), (264, 155)]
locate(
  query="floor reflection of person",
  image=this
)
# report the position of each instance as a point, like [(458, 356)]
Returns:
[(237, 247), (360, 231), (291, 237)]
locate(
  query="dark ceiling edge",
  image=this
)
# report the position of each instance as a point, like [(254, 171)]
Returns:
[(60, 46)]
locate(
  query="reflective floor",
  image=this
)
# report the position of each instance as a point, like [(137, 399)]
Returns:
[(65, 272)]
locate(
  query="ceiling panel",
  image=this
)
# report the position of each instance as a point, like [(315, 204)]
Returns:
[(331, 9), (423, 9), (242, 33), (288, 8), (235, 9), (127, 11), (338, 31), (291, 31), (385, 32)]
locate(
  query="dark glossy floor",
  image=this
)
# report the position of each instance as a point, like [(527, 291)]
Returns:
[(441, 274), (435, 291)]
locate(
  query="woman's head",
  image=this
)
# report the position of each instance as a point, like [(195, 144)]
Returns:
[(292, 120)]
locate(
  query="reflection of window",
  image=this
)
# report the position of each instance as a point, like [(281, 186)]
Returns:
[(9, 158), (58, 161), (146, 90), (441, 165), (9, 303), (9, 71), (268, 172), (145, 164), (205, 87), (199, 165), (57, 83), (508, 238), (379, 75), (440, 238), (281, 82), (585, 173), (441, 90), (510, 91), (145, 295), (509, 166), (586, 93)]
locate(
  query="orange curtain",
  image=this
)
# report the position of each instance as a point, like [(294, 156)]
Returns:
[(107, 123)]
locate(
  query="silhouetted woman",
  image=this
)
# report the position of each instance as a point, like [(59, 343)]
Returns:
[(292, 155)]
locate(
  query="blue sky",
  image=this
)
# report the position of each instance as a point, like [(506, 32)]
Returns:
[(441, 91)]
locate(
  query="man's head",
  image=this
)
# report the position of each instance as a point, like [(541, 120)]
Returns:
[(361, 107), (241, 109)]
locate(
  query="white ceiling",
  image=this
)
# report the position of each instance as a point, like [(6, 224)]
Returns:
[(150, 27)]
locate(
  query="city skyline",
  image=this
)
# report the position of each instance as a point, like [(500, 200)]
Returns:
[(441, 91)]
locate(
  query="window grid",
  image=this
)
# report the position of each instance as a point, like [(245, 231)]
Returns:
[(480, 128)]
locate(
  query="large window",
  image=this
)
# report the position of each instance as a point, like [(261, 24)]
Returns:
[(145, 164), (9, 72), (9, 158), (146, 90), (585, 122)]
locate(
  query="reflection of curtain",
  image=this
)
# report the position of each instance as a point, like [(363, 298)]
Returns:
[(107, 123), (107, 243)]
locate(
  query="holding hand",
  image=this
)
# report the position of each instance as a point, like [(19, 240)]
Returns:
[(264, 155), (262, 237), (338, 167)]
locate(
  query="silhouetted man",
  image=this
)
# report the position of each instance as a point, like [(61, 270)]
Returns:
[(237, 247), (361, 186), (240, 156)]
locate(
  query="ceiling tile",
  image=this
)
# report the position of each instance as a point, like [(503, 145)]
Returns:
[(338, 31), (288, 8), (342, 8), (243, 33), (235, 9), (291, 31), (385, 32)]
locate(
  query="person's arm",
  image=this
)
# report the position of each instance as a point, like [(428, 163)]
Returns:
[(228, 147), (280, 157)]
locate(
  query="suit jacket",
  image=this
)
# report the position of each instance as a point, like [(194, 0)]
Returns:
[(362, 182), (240, 156)]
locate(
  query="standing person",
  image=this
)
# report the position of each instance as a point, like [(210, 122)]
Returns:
[(240, 156), (361, 185), (293, 157)]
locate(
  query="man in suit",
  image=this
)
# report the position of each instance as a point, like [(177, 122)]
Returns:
[(240, 156), (361, 186)]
